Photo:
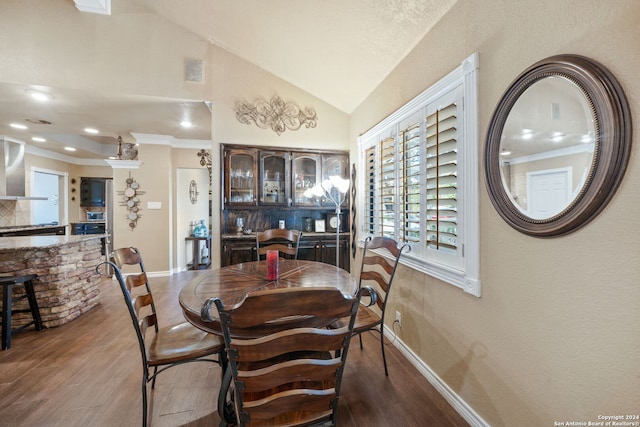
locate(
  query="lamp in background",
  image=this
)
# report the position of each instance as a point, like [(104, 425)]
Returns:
[(335, 189)]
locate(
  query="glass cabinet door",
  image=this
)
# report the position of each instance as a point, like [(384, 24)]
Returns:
[(275, 178), (306, 175), (335, 164), (240, 177)]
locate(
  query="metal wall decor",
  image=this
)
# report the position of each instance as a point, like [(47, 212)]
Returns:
[(354, 238), (205, 160), (131, 200), (193, 192), (276, 114)]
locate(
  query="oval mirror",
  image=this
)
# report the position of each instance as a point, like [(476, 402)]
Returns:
[(557, 145)]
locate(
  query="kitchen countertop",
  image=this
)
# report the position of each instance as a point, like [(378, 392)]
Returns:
[(28, 227), (89, 222), (26, 242)]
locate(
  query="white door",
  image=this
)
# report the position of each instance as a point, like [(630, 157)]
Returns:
[(45, 211), (548, 192)]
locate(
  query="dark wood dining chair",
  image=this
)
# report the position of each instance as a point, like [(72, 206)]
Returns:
[(160, 348), (284, 373), (285, 241), (377, 272)]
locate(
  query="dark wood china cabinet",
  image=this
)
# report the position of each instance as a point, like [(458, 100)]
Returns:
[(240, 173), (265, 185), (333, 164), (275, 178), (306, 174)]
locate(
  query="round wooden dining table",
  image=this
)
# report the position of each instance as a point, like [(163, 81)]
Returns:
[(232, 283)]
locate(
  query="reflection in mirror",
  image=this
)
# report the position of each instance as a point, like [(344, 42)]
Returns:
[(557, 146), (547, 146)]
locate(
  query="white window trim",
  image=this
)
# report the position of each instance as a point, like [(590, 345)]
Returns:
[(467, 279)]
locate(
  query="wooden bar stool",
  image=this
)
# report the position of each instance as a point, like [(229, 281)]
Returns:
[(8, 282)]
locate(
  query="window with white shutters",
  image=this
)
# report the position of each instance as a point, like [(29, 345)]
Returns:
[(420, 179)]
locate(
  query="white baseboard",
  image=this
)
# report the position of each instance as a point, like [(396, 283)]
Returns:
[(450, 396), (151, 274)]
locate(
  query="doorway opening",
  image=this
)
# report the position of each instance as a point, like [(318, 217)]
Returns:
[(52, 185)]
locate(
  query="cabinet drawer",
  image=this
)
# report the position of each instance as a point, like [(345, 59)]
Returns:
[(94, 228)]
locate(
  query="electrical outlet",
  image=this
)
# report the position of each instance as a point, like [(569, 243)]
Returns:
[(398, 318)]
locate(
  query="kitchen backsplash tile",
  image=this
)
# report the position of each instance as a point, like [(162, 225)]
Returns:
[(7, 213)]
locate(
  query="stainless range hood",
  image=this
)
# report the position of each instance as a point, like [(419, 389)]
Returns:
[(12, 170)]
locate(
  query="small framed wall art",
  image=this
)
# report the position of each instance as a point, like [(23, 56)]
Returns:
[(320, 226)]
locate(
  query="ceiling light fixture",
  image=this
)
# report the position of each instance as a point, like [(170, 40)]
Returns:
[(91, 130), (39, 96), (18, 126), (527, 134), (69, 149), (38, 139), (186, 124)]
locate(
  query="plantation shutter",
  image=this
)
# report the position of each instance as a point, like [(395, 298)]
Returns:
[(372, 184), (409, 184), (442, 179), (388, 197)]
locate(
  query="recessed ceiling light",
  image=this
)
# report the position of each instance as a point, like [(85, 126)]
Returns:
[(69, 149), (38, 139), (90, 130), (39, 96), (505, 153), (18, 126), (186, 124)]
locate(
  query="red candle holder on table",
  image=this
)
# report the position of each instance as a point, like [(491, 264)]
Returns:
[(272, 265)]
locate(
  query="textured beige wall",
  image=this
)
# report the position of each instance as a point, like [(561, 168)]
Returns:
[(235, 80), (153, 231), (555, 335)]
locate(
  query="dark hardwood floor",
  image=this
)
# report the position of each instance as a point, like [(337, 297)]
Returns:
[(88, 373)]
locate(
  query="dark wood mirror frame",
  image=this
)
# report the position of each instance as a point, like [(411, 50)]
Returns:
[(612, 122)]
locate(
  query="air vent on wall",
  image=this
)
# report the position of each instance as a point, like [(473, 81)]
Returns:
[(193, 70)]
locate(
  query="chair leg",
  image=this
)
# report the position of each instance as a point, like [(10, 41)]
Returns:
[(226, 407), (384, 357), (155, 374), (360, 336), (6, 316), (144, 401), (33, 304)]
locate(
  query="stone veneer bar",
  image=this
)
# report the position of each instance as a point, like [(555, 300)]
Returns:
[(67, 284)]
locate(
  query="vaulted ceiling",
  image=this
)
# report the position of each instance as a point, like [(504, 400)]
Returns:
[(336, 50)]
